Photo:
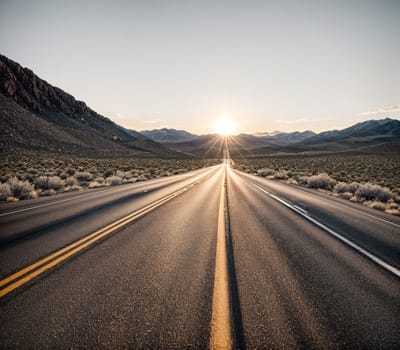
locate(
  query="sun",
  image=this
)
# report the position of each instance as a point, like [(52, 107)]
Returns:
[(225, 126)]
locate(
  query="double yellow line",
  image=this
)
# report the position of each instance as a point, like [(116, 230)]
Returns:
[(30, 272), (221, 328)]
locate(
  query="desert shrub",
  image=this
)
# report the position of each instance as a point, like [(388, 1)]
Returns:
[(19, 189), (342, 187), (83, 176), (281, 175), (71, 181), (4, 191), (114, 180), (302, 180), (265, 172), (369, 192), (70, 171), (108, 173), (49, 182), (32, 171), (120, 174), (353, 186), (322, 180)]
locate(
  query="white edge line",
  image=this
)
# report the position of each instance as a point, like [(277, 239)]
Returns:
[(297, 207), (341, 204), (364, 252)]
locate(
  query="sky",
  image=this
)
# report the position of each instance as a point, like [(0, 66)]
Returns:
[(267, 65)]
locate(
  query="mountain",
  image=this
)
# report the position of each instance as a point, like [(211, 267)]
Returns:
[(36, 115), (363, 134), (168, 135), (267, 133), (286, 138)]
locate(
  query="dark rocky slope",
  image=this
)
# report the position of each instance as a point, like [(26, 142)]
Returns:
[(37, 115)]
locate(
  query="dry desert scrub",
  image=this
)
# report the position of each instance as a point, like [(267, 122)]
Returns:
[(30, 175), (379, 169), (371, 180)]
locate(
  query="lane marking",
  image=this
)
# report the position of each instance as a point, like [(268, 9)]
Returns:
[(345, 240), (97, 192), (221, 330), (297, 207), (343, 205), (32, 271)]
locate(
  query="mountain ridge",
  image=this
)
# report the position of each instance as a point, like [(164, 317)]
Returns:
[(168, 135), (90, 133)]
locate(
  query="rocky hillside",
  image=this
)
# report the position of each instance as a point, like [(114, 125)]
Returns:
[(35, 114)]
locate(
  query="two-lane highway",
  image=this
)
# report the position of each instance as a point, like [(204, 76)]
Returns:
[(211, 259)]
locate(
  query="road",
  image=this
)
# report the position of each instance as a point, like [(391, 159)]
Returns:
[(214, 258)]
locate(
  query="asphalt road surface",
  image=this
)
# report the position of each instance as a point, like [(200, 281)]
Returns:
[(213, 258)]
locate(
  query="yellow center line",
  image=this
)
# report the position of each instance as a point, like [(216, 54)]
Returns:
[(73, 245), (55, 258), (221, 330), (72, 252)]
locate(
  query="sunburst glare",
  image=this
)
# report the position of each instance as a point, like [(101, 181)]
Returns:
[(225, 126)]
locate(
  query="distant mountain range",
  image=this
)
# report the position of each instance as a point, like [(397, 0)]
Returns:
[(35, 115), (361, 136), (168, 135)]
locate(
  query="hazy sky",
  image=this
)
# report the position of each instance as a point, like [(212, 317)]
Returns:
[(286, 65)]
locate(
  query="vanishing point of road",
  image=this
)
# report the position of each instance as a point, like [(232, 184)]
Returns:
[(213, 258)]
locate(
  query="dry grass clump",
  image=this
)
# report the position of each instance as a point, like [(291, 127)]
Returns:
[(377, 205), (95, 184), (265, 172), (281, 175), (5, 191)]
